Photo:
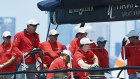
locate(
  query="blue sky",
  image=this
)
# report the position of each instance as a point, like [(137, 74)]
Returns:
[(23, 10)]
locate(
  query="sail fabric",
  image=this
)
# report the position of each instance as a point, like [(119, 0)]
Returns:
[(49, 5)]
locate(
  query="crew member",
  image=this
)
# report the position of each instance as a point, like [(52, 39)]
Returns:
[(60, 63), (102, 53), (24, 42), (52, 47), (132, 53), (7, 58), (84, 58)]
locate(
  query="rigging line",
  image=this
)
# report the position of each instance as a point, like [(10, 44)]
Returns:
[(48, 30), (56, 27)]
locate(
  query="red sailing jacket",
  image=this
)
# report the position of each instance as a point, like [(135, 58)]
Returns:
[(58, 63), (25, 42), (103, 58), (74, 45), (132, 54), (53, 49), (5, 55), (86, 57)]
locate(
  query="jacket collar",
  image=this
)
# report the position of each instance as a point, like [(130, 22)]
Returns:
[(7, 44), (27, 32)]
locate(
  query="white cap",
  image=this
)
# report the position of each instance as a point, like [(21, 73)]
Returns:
[(81, 30), (6, 33), (66, 52), (101, 39), (33, 22), (53, 32), (132, 33), (85, 41)]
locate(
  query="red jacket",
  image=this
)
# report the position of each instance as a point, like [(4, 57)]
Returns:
[(74, 45), (103, 58), (53, 49), (86, 57), (58, 63), (5, 55), (132, 54), (25, 42)]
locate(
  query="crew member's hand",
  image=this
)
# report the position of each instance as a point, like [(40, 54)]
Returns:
[(25, 53), (45, 66), (124, 41), (34, 48), (1, 66), (24, 65), (94, 65)]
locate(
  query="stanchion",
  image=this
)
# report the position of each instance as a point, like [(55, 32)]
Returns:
[(24, 65), (71, 66), (124, 61)]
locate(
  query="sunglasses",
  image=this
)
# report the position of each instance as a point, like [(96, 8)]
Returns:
[(8, 37), (132, 37), (82, 33), (54, 35), (33, 25), (87, 44), (103, 42)]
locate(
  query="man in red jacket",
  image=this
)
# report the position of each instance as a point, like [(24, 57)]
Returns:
[(102, 53), (60, 63), (132, 53), (51, 47), (74, 45), (26, 41), (84, 58), (7, 58)]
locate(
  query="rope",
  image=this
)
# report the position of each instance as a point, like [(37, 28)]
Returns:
[(119, 73), (56, 27), (48, 31)]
